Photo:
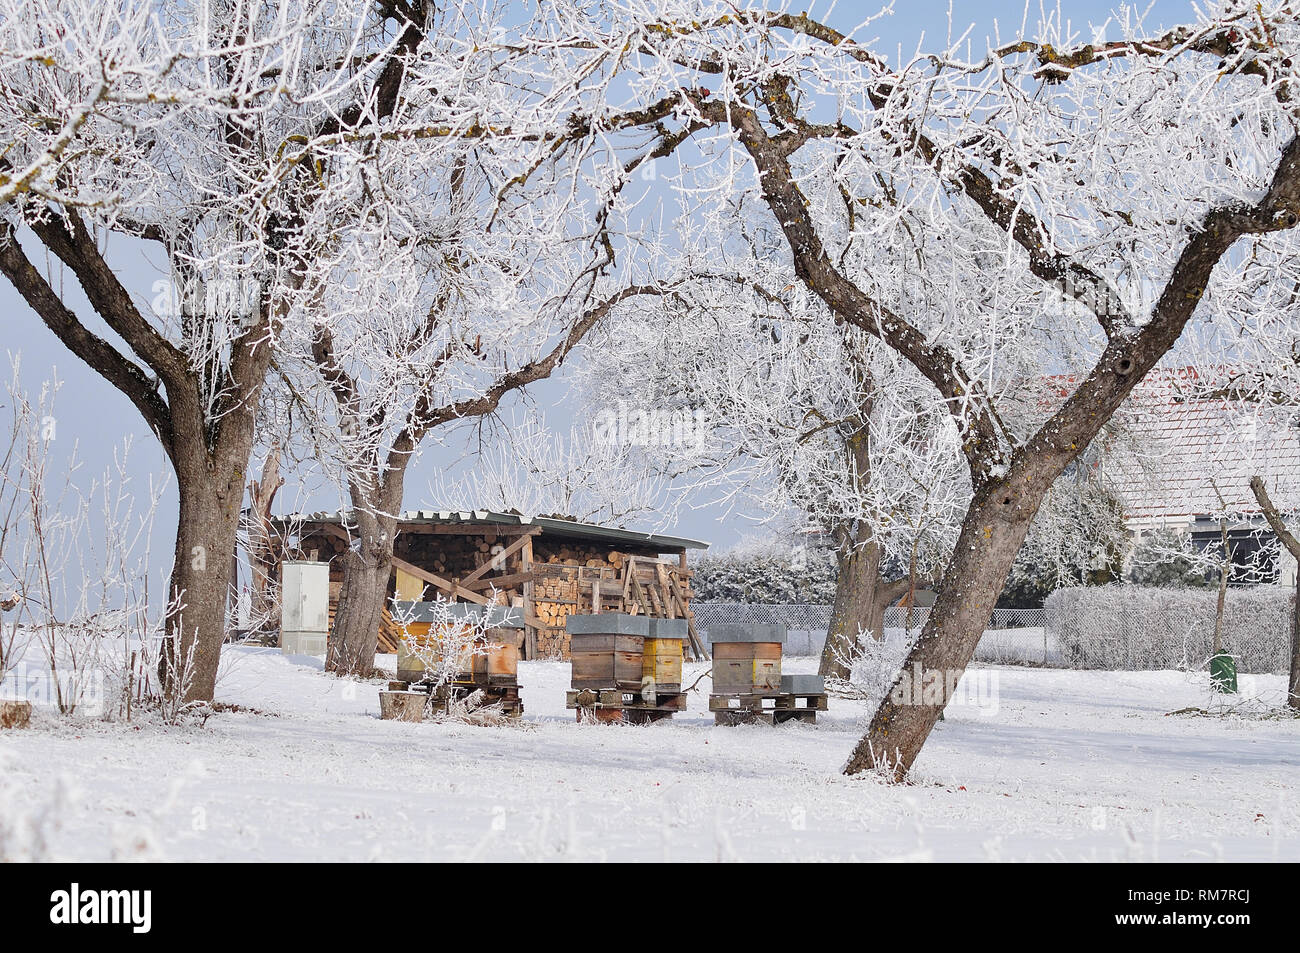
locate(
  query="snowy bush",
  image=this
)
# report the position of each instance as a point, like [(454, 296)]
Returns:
[(1139, 627), (81, 633), (878, 663)]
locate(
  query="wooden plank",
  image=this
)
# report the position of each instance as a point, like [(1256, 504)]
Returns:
[(697, 647), (446, 585), (451, 589), (656, 599), (408, 587), (638, 594), (790, 702), (390, 633), (746, 650), (530, 629), (628, 572), (744, 701), (683, 604), (606, 642), (665, 590)]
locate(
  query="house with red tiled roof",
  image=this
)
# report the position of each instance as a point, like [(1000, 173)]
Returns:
[(1186, 456)]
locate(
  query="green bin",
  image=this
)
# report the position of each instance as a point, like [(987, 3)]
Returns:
[(1223, 673)]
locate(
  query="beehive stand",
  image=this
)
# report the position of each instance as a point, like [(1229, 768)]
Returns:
[(626, 668), (747, 682), (464, 686)]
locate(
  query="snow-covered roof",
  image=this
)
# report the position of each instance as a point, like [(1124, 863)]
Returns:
[(1179, 447)]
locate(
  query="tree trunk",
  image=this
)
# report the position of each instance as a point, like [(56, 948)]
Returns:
[(200, 580), (1225, 570), (991, 536), (262, 546), (354, 638), (861, 598), (853, 609), (1292, 545)]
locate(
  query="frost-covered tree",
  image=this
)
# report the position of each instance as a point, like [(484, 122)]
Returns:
[(524, 467), (474, 256), (767, 572), (1166, 558), (1124, 175), (192, 131)]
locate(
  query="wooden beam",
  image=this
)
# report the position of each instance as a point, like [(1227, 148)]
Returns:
[(449, 587), (446, 585), (500, 558), (666, 593), (530, 631)]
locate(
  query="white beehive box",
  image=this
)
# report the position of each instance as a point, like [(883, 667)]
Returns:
[(304, 607)]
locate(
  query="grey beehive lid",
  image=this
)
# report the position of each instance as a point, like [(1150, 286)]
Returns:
[(607, 623), (498, 617), (803, 684), (669, 628), (747, 632)]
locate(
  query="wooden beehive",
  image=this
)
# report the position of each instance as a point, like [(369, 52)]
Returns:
[(607, 650), (662, 657), (747, 658), (498, 654), (494, 653)]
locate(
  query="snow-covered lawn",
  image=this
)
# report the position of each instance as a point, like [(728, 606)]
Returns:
[(1067, 765)]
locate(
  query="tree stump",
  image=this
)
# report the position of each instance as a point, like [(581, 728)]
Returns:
[(15, 714), (402, 706)]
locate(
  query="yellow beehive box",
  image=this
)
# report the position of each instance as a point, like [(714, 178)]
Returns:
[(662, 655)]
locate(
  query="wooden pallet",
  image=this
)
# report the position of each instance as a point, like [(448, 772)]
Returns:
[(497, 690), (748, 708), (617, 705)]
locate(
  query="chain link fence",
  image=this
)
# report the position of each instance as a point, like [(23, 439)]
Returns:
[(812, 618)]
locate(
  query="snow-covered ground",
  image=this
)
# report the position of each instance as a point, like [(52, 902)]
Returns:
[(1038, 764)]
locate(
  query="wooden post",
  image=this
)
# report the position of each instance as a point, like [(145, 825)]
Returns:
[(697, 646), (530, 631)]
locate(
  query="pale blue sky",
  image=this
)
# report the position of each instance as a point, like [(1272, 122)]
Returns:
[(95, 417)]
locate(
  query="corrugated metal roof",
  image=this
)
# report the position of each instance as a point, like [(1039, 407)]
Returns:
[(573, 529)]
